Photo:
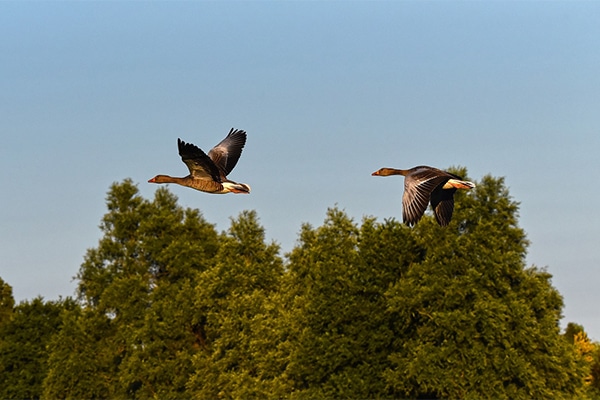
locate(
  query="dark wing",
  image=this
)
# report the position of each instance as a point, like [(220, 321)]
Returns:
[(442, 202), (199, 164), (419, 184), (227, 153)]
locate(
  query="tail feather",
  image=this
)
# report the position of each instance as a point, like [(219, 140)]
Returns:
[(236, 187), (458, 184)]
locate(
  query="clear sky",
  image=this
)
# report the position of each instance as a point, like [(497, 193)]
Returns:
[(95, 92)]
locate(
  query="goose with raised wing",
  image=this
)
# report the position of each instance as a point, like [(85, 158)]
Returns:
[(208, 173), (427, 185)]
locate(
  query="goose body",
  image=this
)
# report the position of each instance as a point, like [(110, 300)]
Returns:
[(427, 185), (208, 173)]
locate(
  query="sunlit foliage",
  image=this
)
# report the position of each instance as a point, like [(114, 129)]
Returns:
[(167, 307)]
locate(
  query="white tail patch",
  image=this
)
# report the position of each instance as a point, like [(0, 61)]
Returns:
[(458, 184), (235, 187)]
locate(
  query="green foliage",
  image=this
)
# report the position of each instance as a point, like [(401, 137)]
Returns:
[(474, 322), (23, 347), (594, 385), (7, 302), (169, 308), (588, 356), (82, 363), (234, 315), (335, 319), (137, 288), (571, 330)]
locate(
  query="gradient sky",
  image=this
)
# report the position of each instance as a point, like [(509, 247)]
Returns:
[(92, 93)]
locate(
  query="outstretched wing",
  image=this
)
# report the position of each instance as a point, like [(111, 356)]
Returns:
[(442, 202), (199, 164), (419, 184), (226, 154)]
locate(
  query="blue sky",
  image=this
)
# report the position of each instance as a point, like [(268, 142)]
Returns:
[(95, 92)]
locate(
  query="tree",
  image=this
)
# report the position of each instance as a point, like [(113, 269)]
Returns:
[(588, 355), (234, 315), (334, 314), (82, 362), (136, 288), (7, 302), (169, 308), (471, 319), (23, 347), (594, 385)]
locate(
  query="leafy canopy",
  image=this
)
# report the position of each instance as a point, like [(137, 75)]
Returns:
[(167, 307)]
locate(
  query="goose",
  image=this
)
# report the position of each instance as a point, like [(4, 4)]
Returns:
[(423, 185), (208, 173)]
